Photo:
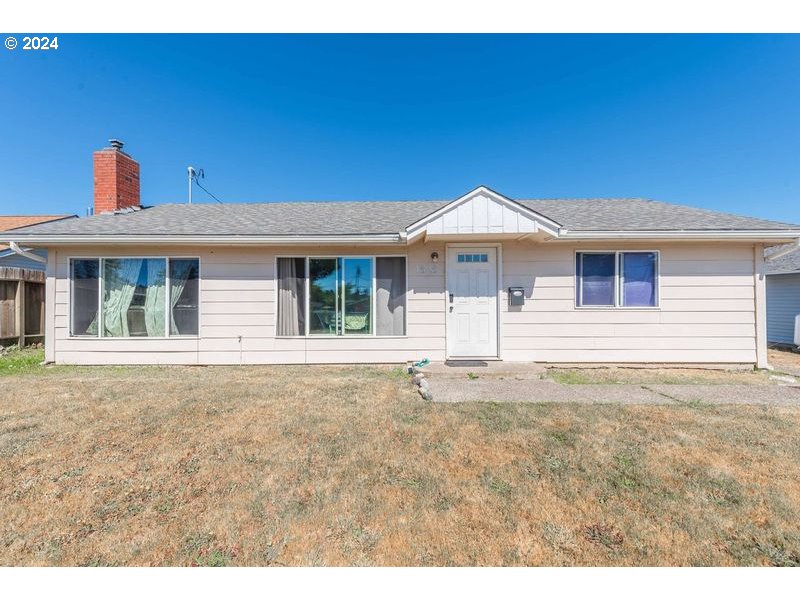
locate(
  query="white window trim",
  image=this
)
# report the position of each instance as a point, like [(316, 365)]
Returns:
[(100, 289), (307, 277), (577, 286)]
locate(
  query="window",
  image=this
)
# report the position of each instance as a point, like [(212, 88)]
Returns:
[(473, 258), (184, 296), (135, 297), (291, 296), (85, 299), (638, 277), (616, 279), (390, 295), (350, 295)]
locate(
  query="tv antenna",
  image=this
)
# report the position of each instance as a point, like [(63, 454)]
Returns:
[(194, 175)]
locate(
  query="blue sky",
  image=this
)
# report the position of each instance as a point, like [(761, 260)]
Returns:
[(711, 121)]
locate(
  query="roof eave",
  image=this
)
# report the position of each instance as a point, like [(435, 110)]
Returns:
[(206, 240), (755, 235)]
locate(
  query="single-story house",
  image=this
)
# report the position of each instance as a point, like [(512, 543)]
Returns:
[(22, 284), (482, 276), (783, 294)]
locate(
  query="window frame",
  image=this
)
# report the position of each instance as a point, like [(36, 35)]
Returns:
[(307, 306), (619, 278), (101, 289)]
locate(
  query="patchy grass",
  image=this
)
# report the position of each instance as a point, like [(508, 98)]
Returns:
[(347, 466), (678, 376), (19, 361)]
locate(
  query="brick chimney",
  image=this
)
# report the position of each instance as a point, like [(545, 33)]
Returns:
[(116, 179)]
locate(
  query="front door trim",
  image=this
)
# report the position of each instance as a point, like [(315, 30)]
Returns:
[(454, 246)]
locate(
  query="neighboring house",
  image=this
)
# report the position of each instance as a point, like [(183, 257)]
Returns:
[(783, 295), (22, 285), (479, 277)]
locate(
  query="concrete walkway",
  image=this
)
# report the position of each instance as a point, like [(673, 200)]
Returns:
[(463, 389)]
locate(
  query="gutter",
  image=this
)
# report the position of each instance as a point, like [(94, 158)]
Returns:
[(794, 246), (401, 238), (705, 235), (25, 253), (214, 240)]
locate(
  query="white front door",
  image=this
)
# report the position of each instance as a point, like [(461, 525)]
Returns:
[(472, 302)]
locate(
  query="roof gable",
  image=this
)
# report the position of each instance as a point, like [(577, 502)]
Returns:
[(483, 211)]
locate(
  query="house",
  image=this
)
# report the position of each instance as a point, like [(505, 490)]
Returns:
[(783, 294), (482, 276), (22, 285)]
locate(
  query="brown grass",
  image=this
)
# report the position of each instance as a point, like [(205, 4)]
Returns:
[(348, 466)]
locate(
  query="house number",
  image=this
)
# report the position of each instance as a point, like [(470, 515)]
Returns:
[(426, 268)]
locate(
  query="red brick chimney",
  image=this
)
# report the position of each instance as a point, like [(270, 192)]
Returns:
[(116, 179)]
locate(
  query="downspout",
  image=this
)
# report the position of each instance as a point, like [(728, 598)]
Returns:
[(30, 255), (783, 252)]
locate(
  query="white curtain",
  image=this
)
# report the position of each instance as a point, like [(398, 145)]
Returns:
[(155, 298), (121, 277), (291, 285)]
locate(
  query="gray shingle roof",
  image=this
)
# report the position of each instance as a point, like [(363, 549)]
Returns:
[(789, 263), (331, 218), (638, 214)]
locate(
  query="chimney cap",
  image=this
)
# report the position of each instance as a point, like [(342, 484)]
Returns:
[(116, 144)]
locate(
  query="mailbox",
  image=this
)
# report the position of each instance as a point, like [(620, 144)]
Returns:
[(516, 296)]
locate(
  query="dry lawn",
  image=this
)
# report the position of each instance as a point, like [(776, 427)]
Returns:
[(348, 466)]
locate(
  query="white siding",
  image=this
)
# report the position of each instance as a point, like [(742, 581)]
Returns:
[(707, 311), (237, 314), (783, 303)]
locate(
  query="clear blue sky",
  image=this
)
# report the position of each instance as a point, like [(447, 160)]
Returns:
[(712, 121)]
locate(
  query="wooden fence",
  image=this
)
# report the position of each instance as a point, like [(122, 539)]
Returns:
[(21, 305)]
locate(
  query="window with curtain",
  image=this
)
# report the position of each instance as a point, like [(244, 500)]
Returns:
[(390, 295), (616, 279), (85, 299), (184, 296), (638, 272), (135, 297), (352, 296), (291, 296)]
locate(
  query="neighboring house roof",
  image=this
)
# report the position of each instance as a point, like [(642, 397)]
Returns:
[(789, 263), (387, 217), (8, 222)]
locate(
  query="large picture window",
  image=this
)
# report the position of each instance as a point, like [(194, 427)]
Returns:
[(616, 279), (135, 297), (347, 296)]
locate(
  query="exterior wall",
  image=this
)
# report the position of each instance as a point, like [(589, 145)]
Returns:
[(706, 315), (707, 312), (237, 298), (783, 304)]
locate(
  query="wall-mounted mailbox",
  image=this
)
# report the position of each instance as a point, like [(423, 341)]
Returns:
[(516, 296)]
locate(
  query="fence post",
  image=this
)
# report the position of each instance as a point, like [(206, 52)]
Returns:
[(21, 312)]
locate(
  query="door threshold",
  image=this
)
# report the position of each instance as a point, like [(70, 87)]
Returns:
[(472, 359)]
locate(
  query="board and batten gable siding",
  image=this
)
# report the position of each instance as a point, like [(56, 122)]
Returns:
[(237, 298), (783, 304), (707, 311)]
